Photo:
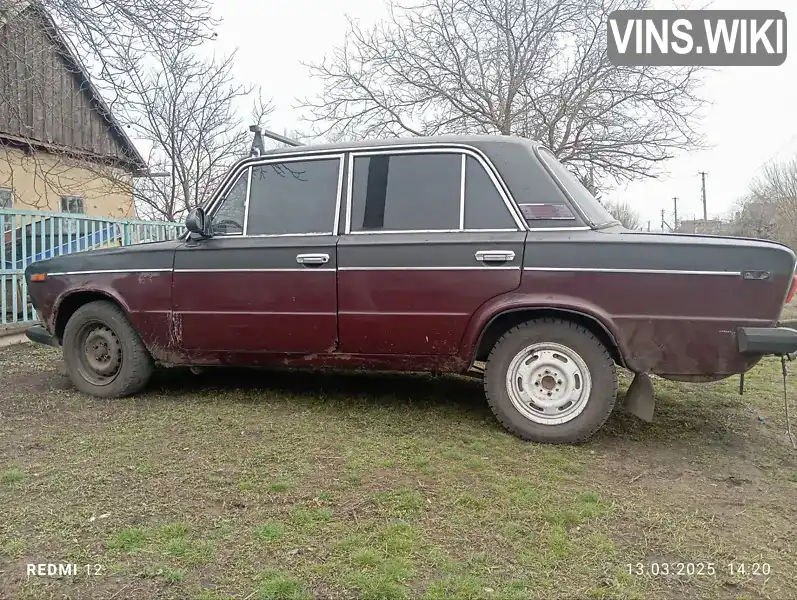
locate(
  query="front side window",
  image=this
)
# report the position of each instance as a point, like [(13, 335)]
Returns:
[(229, 218), (406, 192), (294, 197), (72, 204), (593, 209), (6, 198)]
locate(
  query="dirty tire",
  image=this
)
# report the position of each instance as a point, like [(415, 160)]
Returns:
[(134, 365), (596, 406)]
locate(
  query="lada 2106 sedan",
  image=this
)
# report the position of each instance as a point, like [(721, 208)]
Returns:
[(422, 254)]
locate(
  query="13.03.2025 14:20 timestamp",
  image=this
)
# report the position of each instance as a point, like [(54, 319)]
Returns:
[(689, 569)]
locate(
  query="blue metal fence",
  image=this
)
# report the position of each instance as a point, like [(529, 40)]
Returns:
[(30, 235)]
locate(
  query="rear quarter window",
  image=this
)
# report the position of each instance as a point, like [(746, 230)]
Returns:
[(484, 206)]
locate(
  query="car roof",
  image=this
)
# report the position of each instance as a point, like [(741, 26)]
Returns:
[(467, 140)]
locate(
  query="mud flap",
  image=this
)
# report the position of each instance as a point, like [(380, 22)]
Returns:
[(639, 399)]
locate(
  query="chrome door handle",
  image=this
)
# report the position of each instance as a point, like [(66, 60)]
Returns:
[(495, 255), (312, 259)]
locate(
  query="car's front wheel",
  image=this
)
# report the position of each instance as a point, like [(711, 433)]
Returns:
[(551, 381), (103, 352)]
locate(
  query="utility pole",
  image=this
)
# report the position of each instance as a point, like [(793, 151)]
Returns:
[(675, 213), (662, 220), (705, 210), (648, 225)]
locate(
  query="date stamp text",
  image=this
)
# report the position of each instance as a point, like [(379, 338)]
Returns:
[(698, 569)]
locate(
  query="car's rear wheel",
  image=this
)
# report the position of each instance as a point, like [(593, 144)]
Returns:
[(551, 381), (103, 352)]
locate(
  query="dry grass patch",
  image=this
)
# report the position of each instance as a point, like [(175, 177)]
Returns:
[(292, 485)]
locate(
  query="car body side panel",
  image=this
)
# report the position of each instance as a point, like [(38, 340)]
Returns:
[(414, 293), (673, 303), (421, 300), (138, 278), (249, 294)]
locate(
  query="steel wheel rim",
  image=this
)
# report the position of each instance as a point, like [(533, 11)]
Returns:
[(99, 353), (548, 383)]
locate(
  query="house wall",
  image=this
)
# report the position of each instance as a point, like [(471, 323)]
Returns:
[(40, 179), (44, 94)]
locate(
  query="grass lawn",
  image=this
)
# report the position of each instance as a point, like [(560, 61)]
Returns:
[(261, 485)]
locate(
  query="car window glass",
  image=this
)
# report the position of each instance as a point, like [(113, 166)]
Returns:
[(593, 209), (229, 218), (293, 197), (484, 207), (403, 192)]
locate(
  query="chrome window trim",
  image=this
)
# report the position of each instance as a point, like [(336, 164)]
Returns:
[(288, 235), (578, 228), (649, 271), (465, 151), (271, 270), (248, 195), (349, 192), (463, 164), (403, 231), (468, 268), (104, 271), (339, 198)]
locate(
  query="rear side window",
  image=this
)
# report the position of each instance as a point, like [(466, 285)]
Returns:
[(484, 206), (294, 197), (406, 192)]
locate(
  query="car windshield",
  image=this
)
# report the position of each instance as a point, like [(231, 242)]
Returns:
[(593, 209)]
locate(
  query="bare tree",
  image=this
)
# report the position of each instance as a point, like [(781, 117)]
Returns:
[(185, 108), (144, 56), (41, 38), (534, 68), (107, 33), (769, 210), (623, 212)]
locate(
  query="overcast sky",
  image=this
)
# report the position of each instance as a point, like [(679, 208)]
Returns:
[(752, 118)]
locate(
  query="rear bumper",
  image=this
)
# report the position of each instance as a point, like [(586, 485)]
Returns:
[(40, 335), (767, 340)]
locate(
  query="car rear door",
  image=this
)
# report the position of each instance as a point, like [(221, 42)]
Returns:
[(266, 281), (428, 238)]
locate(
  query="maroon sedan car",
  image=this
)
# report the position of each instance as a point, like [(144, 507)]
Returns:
[(422, 254)]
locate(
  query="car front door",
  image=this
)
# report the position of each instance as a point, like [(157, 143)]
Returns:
[(266, 281), (429, 238)]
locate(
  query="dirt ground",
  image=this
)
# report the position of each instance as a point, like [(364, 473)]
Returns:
[(264, 484)]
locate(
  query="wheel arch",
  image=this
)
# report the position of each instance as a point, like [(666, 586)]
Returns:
[(73, 300), (508, 318)]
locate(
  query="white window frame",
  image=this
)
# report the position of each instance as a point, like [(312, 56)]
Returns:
[(247, 172)]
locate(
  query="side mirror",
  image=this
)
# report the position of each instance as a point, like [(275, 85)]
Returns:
[(195, 221)]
